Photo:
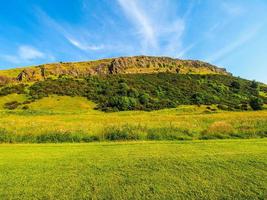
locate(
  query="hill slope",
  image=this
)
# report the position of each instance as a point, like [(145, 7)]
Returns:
[(135, 83)]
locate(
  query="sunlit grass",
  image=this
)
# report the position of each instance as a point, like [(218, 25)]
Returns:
[(76, 115), (228, 169)]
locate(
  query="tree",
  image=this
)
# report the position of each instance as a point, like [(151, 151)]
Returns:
[(123, 89), (256, 103), (197, 98), (254, 85), (144, 98), (133, 93), (235, 85)]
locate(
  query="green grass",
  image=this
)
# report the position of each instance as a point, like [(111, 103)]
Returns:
[(73, 119), (226, 169)]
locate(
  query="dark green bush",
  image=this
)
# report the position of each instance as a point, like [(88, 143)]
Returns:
[(10, 89), (256, 103)]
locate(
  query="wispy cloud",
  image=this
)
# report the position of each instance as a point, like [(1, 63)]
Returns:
[(77, 37), (29, 53), (241, 40), (84, 47), (143, 23), (157, 35), (232, 8), (25, 54)]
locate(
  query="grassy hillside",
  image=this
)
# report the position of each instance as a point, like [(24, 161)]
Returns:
[(135, 83), (148, 91), (230, 169), (73, 119), (62, 103)]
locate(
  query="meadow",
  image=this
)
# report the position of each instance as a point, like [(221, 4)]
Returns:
[(213, 169), (74, 119)]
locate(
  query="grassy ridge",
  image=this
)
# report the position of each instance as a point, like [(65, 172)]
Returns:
[(229, 169)]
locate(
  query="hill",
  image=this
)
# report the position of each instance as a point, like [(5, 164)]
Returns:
[(134, 83), (122, 65)]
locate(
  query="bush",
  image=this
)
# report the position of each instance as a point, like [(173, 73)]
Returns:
[(168, 133), (12, 105), (19, 89), (235, 85), (222, 107), (197, 98), (254, 85), (256, 104), (144, 98), (121, 133)]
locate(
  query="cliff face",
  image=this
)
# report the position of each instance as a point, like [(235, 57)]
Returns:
[(122, 65)]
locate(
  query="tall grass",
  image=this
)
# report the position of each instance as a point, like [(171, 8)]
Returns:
[(129, 133)]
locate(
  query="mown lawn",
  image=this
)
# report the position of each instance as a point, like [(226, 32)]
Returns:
[(213, 169)]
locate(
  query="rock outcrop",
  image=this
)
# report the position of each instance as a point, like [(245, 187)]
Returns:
[(122, 65)]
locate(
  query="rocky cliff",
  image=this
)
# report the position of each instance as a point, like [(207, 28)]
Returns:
[(121, 65)]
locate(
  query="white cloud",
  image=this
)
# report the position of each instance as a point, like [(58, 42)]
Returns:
[(29, 53), (145, 27), (25, 54), (84, 47), (151, 19)]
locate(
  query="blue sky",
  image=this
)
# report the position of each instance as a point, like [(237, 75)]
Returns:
[(227, 33)]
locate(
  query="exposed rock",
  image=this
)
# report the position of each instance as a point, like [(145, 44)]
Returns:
[(121, 65)]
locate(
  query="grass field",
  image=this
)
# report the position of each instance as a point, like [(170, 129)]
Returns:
[(75, 117), (214, 169)]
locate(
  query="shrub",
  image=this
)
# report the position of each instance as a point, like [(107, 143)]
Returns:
[(222, 107), (168, 133), (144, 98), (121, 133), (197, 98), (25, 107), (256, 103), (12, 105), (19, 89), (254, 84), (235, 85)]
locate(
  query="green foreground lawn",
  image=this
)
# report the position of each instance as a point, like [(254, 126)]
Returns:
[(225, 169)]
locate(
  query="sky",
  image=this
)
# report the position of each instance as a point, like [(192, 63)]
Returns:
[(227, 33)]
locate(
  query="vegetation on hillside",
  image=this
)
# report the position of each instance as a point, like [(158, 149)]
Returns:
[(155, 91), (72, 119)]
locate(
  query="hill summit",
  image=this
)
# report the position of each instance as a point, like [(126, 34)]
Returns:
[(121, 65)]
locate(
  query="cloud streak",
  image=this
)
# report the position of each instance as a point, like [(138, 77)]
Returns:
[(159, 28), (142, 22), (25, 53), (76, 38), (241, 40)]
